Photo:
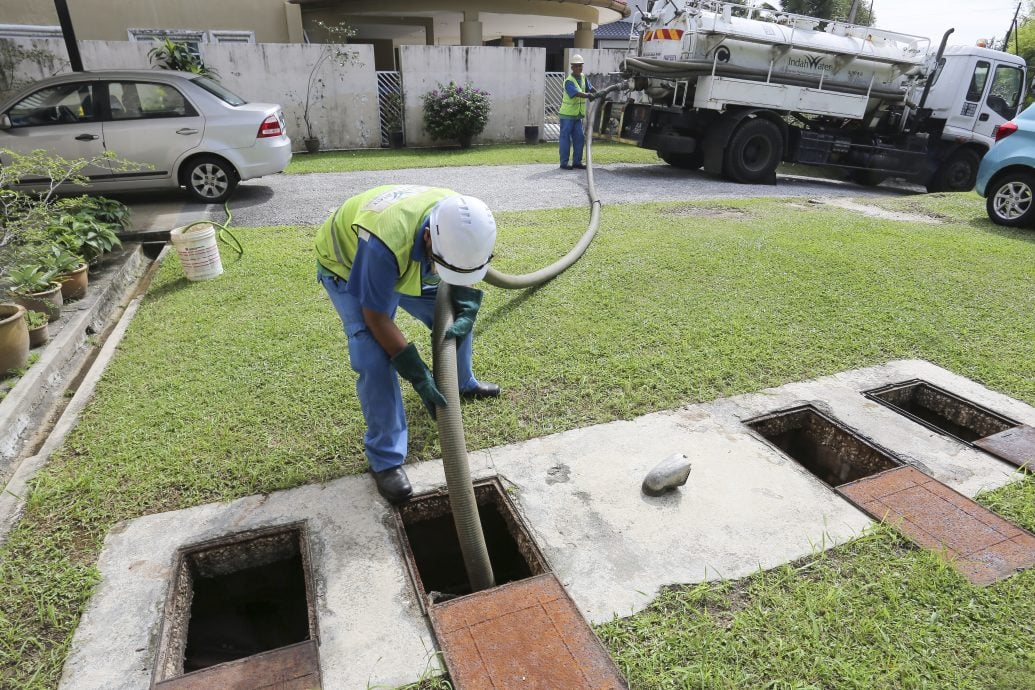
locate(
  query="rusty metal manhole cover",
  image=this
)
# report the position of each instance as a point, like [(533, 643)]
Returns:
[(525, 634), (982, 546), (1016, 445)]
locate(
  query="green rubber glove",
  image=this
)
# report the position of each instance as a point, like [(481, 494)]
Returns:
[(412, 368), (466, 301)]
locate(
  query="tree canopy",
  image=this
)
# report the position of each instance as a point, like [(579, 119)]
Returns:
[(830, 9)]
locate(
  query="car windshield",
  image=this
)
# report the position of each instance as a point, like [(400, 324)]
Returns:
[(219, 91)]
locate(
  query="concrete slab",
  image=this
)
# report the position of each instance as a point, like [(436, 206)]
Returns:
[(745, 506)]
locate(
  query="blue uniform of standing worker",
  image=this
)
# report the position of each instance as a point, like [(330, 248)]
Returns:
[(387, 248), (573, 109)]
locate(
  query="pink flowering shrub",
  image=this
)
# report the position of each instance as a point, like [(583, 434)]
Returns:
[(456, 113)]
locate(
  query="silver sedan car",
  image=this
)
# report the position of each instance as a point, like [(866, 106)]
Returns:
[(183, 130)]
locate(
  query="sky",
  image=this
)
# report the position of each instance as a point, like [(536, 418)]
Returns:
[(972, 19)]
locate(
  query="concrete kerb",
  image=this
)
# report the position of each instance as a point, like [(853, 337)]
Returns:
[(12, 499), (30, 401)]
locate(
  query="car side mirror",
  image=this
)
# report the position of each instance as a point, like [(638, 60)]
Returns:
[(5, 122)]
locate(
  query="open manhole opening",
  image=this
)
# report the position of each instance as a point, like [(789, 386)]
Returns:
[(237, 597), (823, 446), (940, 410), (432, 548)]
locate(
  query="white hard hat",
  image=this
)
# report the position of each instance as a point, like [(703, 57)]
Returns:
[(576, 59), (463, 234)]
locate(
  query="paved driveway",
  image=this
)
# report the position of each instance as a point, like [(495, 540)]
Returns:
[(309, 199)]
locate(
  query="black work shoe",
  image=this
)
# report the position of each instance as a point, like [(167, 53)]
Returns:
[(579, 166), (393, 485), (482, 390), (565, 167)]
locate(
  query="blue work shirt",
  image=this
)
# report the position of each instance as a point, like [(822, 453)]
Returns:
[(375, 272)]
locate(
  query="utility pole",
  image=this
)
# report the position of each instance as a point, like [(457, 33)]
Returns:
[(68, 32), (855, 7), (1013, 25)]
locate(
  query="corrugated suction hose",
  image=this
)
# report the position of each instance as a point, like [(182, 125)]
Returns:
[(450, 422)]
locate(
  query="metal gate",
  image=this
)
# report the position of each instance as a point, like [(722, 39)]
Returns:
[(390, 107), (552, 93)]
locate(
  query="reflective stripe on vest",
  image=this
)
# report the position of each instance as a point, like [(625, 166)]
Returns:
[(573, 107), (393, 214)]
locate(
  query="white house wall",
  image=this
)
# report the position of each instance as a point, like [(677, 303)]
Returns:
[(512, 76), (344, 112)]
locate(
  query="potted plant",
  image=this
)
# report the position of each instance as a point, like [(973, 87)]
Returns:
[(34, 287), (14, 338), (456, 112), (69, 270), (37, 323), (335, 33), (83, 234)]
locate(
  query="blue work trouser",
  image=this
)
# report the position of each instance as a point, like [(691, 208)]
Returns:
[(378, 385), (572, 136)]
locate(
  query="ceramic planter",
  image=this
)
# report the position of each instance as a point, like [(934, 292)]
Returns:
[(73, 283), (14, 338), (49, 301), (38, 335), (312, 144)]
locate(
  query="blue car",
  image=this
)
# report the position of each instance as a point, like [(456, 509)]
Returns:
[(1006, 176)]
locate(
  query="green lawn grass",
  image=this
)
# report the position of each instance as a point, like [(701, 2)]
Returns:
[(240, 385)]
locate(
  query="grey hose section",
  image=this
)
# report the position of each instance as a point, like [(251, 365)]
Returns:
[(454, 451), (664, 69), (455, 464)]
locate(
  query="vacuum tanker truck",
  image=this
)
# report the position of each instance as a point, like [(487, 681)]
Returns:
[(739, 89)]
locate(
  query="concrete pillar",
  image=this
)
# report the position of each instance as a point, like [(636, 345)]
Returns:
[(506, 42), (470, 30), (584, 35), (293, 16)]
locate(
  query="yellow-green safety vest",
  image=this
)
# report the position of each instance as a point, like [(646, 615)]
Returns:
[(573, 107), (391, 213)]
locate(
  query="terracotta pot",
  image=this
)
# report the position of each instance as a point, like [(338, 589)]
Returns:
[(49, 301), (73, 283), (38, 335), (14, 338)]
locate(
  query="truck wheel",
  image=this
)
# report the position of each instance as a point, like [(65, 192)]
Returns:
[(1011, 200), (957, 174), (685, 161), (754, 151)]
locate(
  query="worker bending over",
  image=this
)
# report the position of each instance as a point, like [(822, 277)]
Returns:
[(387, 248)]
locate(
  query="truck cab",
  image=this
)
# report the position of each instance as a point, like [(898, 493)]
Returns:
[(975, 91)]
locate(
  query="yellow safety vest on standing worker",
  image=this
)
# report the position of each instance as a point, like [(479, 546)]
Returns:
[(391, 213), (573, 107)]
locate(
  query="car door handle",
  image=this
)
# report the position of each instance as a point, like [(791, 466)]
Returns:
[(186, 130), (87, 137), (984, 117)]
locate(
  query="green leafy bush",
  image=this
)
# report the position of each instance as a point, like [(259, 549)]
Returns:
[(31, 278), (453, 112), (177, 55), (36, 319)]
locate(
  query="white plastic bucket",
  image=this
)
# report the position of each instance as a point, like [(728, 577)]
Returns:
[(199, 254)]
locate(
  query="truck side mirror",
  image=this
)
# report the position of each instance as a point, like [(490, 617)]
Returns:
[(5, 122)]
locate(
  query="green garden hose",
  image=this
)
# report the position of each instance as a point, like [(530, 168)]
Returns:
[(450, 422), (224, 230)]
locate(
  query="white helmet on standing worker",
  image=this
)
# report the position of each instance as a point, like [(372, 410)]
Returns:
[(463, 234), (576, 59)]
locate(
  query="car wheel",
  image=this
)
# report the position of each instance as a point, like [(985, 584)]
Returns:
[(1011, 200), (209, 179), (754, 152), (957, 174)]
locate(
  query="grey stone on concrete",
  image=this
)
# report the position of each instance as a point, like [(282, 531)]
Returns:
[(667, 475), (749, 507), (26, 407)]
